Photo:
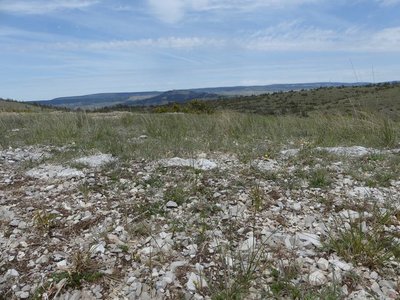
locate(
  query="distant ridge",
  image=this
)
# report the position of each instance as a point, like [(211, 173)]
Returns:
[(101, 100)]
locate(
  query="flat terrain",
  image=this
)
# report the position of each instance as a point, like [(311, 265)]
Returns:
[(181, 206)]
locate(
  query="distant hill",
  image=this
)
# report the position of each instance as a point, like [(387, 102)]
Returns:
[(263, 89), (7, 105), (97, 100), (176, 96), (94, 101)]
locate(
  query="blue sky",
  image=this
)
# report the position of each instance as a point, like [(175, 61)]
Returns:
[(52, 48)]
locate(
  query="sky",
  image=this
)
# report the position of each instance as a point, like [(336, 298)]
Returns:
[(54, 48)]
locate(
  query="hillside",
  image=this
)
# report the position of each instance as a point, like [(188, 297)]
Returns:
[(381, 97), (15, 106), (96, 101), (263, 89), (175, 96)]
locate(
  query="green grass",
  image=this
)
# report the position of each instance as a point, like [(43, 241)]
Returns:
[(373, 247), (249, 136)]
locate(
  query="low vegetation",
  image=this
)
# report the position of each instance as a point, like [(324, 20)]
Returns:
[(183, 134), (263, 222)]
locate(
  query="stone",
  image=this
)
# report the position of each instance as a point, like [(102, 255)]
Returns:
[(341, 265), (360, 295), (194, 282), (289, 153), (199, 164), (99, 249), (114, 239), (317, 278), (44, 259), (296, 206), (46, 172), (249, 244), (22, 295), (11, 273), (355, 151), (323, 264), (62, 264), (265, 165), (96, 161), (171, 204), (309, 237)]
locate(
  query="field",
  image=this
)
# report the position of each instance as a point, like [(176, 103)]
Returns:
[(227, 205)]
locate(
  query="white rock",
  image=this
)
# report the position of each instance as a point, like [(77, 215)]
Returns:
[(323, 264), (147, 250), (99, 249), (341, 265), (176, 264), (95, 161), (22, 295), (376, 289), (114, 239), (171, 204), (46, 172), (297, 206), (11, 273), (360, 295), (317, 278), (349, 214), (249, 244), (309, 237), (200, 164), (354, 151), (265, 165), (374, 275), (289, 152), (62, 264), (194, 282)]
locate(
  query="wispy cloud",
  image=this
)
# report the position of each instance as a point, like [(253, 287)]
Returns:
[(295, 37), (172, 11), (284, 37), (42, 6), (388, 2)]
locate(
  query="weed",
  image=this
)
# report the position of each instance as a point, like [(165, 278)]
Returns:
[(257, 197), (82, 269), (124, 248), (319, 178), (365, 240), (44, 221), (388, 133), (176, 194)]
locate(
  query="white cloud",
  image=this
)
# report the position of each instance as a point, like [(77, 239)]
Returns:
[(168, 43), (42, 6), (172, 11), (388, 2)]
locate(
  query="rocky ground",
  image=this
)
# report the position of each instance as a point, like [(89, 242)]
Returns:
[(208, 227)]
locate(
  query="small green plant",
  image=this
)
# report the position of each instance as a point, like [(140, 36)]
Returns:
[(257, 197), (44, 221), (238, 270), (176, 194), (124, 248), (365, 240), (82, 269), (319, 178), (388, 133)]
